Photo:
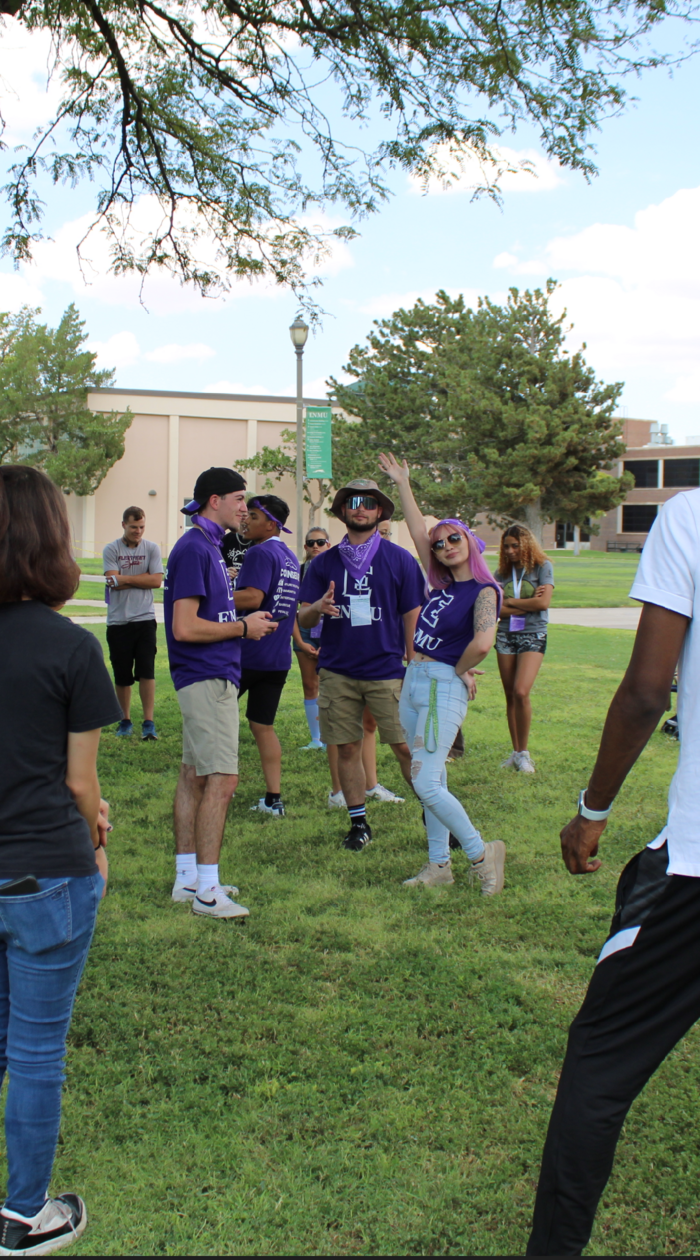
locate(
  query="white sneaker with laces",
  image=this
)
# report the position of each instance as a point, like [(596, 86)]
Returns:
[(316, 745), (510, 761), (217, 905), (525, 764), (490, 870), (336, 800), (380, 793), (181, 892), (277, 810), (59, 1223), (432, 875)]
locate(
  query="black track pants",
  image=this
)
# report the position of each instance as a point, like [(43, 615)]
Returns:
[(640, 1002)]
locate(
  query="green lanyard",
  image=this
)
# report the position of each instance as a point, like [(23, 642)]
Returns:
[(432, 720)]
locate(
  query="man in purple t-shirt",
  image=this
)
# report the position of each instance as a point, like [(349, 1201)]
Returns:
[(204, 647), (268, 580), (369, 593)]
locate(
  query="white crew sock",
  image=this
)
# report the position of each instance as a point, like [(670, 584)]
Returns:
[(186, 869), (207, 878)]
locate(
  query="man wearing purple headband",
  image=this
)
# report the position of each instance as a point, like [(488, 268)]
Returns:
[(204, 639), (268, 581), (368, 593)]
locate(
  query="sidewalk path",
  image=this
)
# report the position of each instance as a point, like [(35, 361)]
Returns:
[(600, 618)]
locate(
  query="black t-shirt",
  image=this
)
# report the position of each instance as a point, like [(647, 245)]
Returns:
[(53, 680), (233, 548)]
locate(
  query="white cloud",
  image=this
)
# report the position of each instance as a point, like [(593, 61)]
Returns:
[(173, 353), (515, 170), (29, 99), (120, 350), (15, 292), (384, 304), (633, 293), (505, 260)]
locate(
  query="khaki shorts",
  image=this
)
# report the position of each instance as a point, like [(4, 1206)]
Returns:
[(210, 726), (341, 701)]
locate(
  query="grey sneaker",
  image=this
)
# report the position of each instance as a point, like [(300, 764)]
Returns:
[(431, 875), (510, 761), (524, 763), (490, 869)]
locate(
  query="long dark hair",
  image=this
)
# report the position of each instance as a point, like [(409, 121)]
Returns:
[(35, 539)]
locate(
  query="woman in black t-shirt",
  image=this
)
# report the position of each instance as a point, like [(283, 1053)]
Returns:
[(55, 695)]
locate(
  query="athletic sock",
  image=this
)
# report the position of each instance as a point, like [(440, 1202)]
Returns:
[(311, 707), (358, 814), (271, 798), (186, 869), (207, 878)]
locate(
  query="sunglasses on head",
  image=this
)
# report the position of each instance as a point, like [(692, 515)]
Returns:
[(442, 542), (317, 542), (361, 500)]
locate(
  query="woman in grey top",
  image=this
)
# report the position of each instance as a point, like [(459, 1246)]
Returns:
[(527, 579)]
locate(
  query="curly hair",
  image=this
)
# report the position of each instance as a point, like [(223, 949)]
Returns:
[(531, 554)]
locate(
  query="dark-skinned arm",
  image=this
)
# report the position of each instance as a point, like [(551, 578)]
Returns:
[(633, 716), (248, 599)]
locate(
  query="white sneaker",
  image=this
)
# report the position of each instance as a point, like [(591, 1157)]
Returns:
[(380, 793), (510, 761), (59, 1223), (316, 745), (217, 905), (490, 870), (277, 810), (524, 763), (336, 800), (181, 892), (432, 875)]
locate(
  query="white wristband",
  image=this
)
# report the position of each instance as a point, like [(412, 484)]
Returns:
[(594, 815)]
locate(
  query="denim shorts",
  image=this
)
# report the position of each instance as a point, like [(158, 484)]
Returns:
[(513, 642)]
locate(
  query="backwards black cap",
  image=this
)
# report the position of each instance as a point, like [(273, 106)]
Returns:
[(213, 481)]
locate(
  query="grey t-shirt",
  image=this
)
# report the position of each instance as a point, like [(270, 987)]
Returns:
[(542, 575), (132, 604)]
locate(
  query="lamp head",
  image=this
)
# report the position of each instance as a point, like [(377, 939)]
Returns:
[(298, 332)]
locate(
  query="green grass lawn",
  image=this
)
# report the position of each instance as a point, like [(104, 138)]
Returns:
[(360, 1068)]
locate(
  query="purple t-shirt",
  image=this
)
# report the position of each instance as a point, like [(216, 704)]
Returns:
[(367, 640), (272, 568), (446, 622), (196, 568)]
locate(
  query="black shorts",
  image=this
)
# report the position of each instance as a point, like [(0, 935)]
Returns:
[(264, 687), (132, 651)]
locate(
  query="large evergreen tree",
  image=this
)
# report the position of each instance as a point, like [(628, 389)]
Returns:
[(45, 375), (216, 112), (489, 408)]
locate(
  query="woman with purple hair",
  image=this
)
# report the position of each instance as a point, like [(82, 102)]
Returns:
[(456, 629)]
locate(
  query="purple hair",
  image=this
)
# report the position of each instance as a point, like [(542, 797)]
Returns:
[(440, 577)]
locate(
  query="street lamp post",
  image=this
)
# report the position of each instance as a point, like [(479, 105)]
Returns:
[(299, 332)]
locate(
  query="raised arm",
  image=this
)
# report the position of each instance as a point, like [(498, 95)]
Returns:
[(401, 477)]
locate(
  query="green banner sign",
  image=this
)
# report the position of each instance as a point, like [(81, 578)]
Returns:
[(318, 442)]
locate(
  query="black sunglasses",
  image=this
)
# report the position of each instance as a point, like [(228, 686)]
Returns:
[(317, 542), (442, 542), (361, 500)]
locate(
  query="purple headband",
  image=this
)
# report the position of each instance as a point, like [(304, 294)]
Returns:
[(452, 520), (255, 503)]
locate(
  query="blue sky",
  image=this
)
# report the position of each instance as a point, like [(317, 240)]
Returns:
[(625, 248)]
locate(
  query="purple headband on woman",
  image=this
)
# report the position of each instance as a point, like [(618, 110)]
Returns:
[(255, 503), (453, 520)]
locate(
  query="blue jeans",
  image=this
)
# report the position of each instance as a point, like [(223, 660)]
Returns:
[(432, 708), (44, 941)]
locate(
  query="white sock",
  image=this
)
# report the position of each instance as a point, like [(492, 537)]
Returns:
[(207, 878), (186, 869)]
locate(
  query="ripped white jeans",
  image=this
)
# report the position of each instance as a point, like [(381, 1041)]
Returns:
[(432, 707)]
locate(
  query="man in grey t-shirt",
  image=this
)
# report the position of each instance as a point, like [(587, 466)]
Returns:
[(133, 569)]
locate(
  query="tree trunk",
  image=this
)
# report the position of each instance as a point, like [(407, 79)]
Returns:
[(533, 518)]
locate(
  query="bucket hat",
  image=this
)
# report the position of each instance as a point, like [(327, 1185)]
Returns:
[(362, 485)]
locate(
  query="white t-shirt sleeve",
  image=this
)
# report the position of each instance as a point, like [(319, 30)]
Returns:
[(666, 573), (155, 560), (110, 557)]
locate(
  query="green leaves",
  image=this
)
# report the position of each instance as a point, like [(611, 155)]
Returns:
[(490, 410), (216, 113), (45, 375)]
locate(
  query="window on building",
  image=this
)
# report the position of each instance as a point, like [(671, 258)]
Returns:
[(682, 472), (644, 471), (564, 533), (638, 518)]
